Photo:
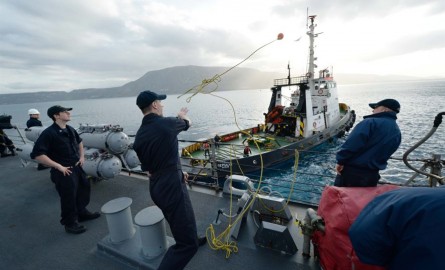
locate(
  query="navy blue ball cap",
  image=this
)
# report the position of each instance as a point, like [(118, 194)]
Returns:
[(145, 98), (57, 109), (388, 103)]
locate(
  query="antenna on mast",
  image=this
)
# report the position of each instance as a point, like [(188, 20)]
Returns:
[(307, 16), (288, 70)]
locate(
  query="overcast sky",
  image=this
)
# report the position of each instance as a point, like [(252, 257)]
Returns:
[(72, 44)]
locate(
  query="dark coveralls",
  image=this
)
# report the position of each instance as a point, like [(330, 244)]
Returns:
[(156, 145), (367, 149), (5, 142), (402, 229), (217, 140), (62, 146), (33, 122)]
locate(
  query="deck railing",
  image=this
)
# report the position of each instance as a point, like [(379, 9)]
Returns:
[(293, 80)]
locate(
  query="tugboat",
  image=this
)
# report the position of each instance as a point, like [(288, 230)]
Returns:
[(304, 112)]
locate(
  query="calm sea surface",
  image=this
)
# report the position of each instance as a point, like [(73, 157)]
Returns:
[(421, 101)]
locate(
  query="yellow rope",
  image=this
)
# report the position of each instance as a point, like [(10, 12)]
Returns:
[(221, 242), (217, 78), (294, 180)]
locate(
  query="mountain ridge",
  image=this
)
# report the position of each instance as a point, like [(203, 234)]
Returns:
[(178, 79), (172, 80)]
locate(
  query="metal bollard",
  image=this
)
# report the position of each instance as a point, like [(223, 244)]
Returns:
[(152, 231), (118, 214)]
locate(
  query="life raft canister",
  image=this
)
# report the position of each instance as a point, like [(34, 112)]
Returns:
[(338, 215)]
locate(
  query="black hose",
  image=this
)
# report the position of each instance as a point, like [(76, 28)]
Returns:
[(438, 119), (437, 122)]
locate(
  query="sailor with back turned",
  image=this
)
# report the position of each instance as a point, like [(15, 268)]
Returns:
[(156, 145), (369, 146)]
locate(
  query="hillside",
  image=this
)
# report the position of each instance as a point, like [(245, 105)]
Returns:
[(176, 80), (173, 80)]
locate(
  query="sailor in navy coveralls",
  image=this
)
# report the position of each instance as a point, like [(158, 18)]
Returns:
[(60, 147), (369, 146), (156, 145)]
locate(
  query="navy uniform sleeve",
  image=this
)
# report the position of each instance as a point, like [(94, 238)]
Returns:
[(356, 140), (41, 146), (180, 124)]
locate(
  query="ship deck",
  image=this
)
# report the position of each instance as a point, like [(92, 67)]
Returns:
[(32, 237), (234, 148), (199, 164)]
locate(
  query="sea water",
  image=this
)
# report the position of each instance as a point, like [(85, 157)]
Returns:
[(222, 112)]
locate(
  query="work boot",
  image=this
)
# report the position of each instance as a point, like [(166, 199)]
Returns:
[(87, 215), (4, 154), (202, 240), (11, 149), (75, 228)]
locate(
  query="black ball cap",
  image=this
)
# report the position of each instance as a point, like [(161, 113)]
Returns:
[(145, 98), (388, 103), (57, 109)]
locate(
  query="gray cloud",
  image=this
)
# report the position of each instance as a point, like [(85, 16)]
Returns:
[(69, 36), (349, 10), (64, 45), (416, 42)]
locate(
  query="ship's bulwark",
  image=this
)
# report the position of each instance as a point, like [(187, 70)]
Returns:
[(32, 237)]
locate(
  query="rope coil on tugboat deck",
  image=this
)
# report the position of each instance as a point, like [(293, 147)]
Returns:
[(437, 122), (222, 242)]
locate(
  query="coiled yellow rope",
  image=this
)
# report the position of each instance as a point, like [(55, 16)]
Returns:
[(222, 241)]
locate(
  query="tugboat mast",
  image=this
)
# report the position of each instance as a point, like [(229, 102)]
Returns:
[(310, 33)]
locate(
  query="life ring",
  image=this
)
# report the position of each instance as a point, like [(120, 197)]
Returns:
[(314, 124), (320, 91)]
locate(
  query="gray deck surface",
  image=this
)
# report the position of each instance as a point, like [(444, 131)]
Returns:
[(234, 148), (31, 236)]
